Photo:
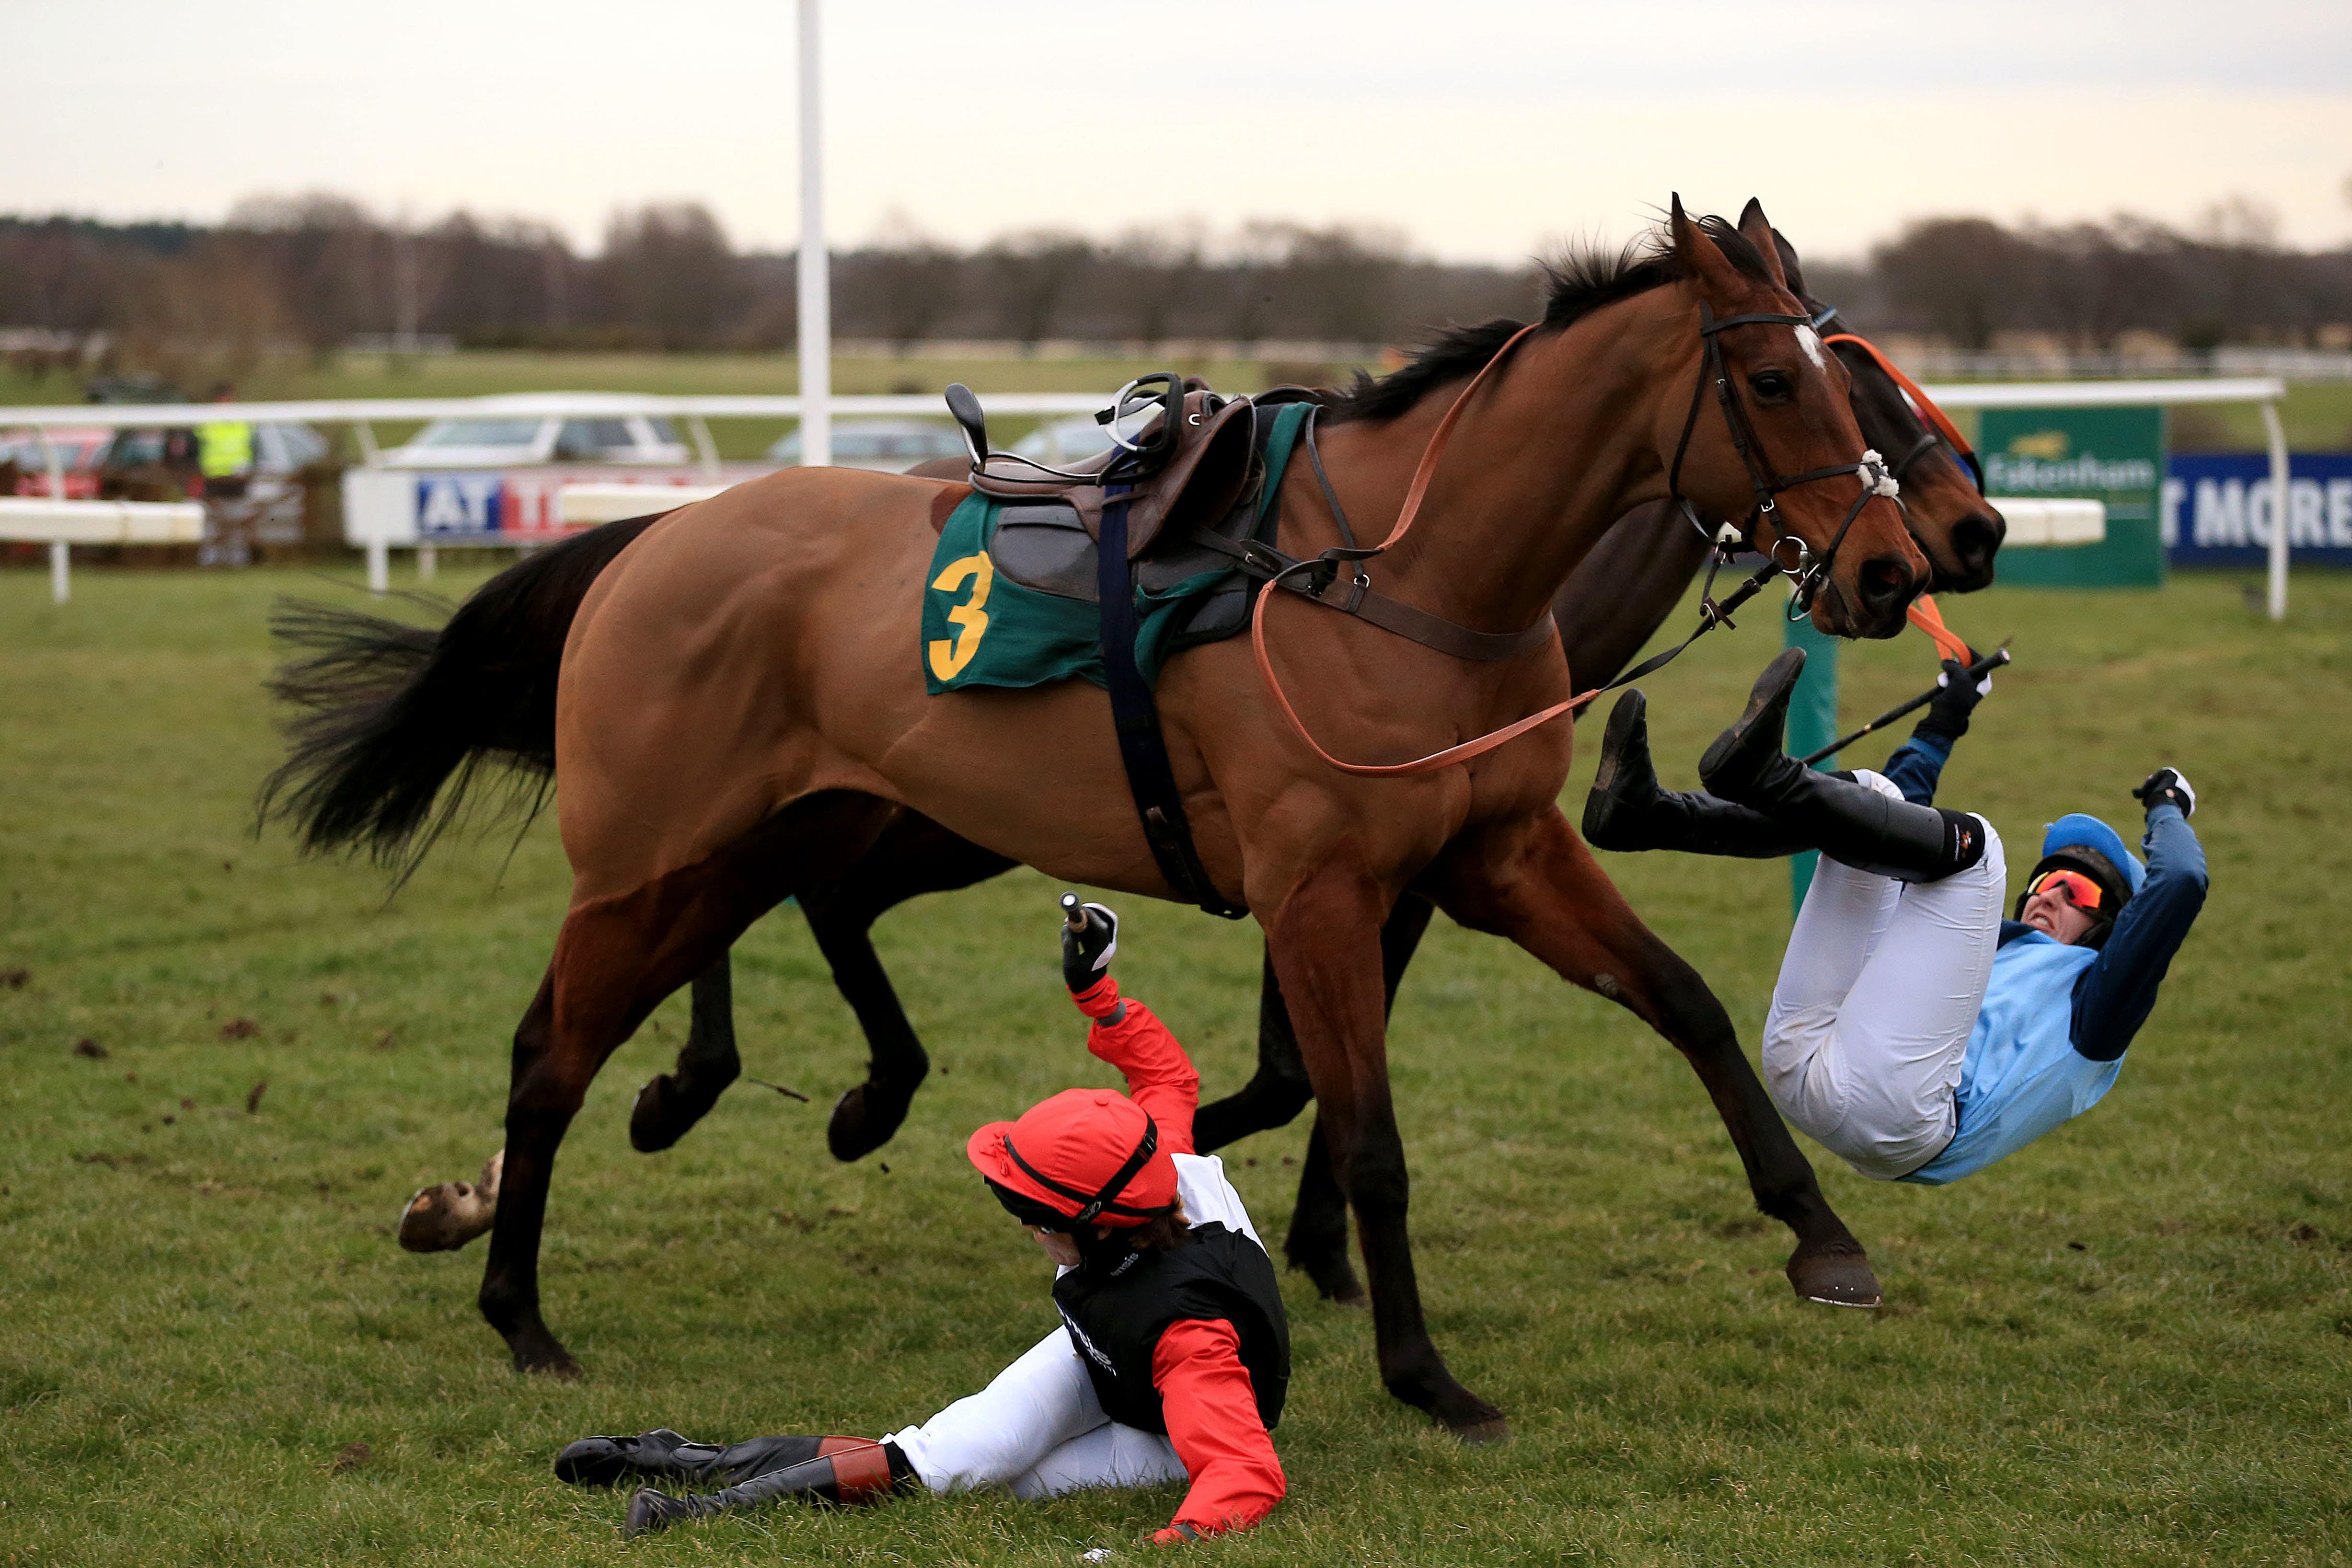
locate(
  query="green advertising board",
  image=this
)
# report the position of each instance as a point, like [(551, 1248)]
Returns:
[(2113, 455)]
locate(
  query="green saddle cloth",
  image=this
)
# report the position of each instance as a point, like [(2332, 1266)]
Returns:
[(981, 629)]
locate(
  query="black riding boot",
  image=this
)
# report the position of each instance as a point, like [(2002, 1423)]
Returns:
[(1847, 821), (663, 1455), (863, 1472), (1628, 811)]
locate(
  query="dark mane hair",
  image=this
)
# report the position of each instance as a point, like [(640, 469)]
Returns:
[(1584, 280)]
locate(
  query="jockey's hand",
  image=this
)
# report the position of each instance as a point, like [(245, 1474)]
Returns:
[(2167, 787), (1086, 955), (1957, 696)]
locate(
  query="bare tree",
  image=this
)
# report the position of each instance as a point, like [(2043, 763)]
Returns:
[(668, 273)]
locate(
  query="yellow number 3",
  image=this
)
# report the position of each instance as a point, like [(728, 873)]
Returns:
[(948, 660)]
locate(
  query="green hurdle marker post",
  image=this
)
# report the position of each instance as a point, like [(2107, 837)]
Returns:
[(1812, 725)]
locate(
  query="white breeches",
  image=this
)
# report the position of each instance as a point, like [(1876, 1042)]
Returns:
[(1878, 991), (1038, 1431)]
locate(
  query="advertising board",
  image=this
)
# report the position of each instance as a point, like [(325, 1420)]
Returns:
[(460, 507), (2219, 509), (2110, 455)]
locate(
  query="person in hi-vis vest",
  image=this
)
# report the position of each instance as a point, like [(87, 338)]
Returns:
[(225, 451)]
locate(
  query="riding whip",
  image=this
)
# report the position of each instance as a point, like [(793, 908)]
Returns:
[(1976, 671)]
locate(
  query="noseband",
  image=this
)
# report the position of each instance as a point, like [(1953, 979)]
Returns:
[(1807, 571)]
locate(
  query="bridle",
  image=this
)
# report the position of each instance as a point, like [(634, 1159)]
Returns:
[(1806, 572), (1940, 431)]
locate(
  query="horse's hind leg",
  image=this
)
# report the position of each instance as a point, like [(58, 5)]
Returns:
[(914, 855), (615, 958), (1536, 883), (669, 1105)]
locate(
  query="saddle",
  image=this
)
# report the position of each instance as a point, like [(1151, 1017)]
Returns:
[(1172, 483), (1145, 514)]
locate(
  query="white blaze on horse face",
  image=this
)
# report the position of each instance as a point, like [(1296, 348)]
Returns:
[(1810, 341)]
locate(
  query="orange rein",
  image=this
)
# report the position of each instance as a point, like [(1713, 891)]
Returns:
[(1413, 496), (1923, 613), (1919, 400)]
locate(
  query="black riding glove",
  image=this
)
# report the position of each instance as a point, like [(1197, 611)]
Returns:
[(2166, 786), (1086, 954), (1957, 696)]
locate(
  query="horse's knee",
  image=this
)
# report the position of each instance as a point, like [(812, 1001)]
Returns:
[(1373, 1176)]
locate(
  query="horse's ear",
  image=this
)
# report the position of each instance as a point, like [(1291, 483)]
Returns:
[(1758, 230), (1702, 256), (1789, 264)]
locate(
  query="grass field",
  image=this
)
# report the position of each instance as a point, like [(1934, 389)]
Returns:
[(2129, 1344)]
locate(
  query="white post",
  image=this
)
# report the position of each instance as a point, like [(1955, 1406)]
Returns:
[(2282, 509), (57, 467), (370, 458), (427, 562), (815, 302), (379, 564), (60, 590), (705, 447)]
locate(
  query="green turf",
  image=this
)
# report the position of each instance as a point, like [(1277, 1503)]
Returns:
[(2128, 1344)]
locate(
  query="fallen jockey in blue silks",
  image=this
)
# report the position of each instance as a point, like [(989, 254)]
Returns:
[(1914, 1032)]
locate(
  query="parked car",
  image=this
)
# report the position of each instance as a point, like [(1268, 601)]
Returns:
[(885, 446), (492, 439), (1064, 441), (78, 451)]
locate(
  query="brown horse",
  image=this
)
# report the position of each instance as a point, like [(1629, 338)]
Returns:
[(739, 716), (1613, 602)]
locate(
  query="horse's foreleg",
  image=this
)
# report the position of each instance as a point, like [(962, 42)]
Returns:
[(1318, 1241), (669, 1105), (914, 855), (1278, 1090), (1537, 884), (1323, 937)]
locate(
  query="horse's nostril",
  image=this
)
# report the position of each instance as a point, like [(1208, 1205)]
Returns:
[(1886, 582), (1976, 540)]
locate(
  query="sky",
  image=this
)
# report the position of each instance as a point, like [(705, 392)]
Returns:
[(1482, 129)]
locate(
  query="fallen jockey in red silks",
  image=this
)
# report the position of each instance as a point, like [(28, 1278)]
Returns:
[(1173, 1355)]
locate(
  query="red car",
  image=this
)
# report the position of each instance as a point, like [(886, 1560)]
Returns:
[(79, 450)]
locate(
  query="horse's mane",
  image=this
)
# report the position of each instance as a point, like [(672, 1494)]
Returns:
[(1577, 283)]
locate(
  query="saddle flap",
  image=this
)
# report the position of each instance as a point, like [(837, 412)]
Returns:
[(1214, 458), (1046, 547)]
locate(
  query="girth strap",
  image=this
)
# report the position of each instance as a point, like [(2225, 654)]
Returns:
[(1135, 716)]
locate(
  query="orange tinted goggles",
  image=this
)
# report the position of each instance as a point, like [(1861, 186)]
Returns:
[(2078, 890)]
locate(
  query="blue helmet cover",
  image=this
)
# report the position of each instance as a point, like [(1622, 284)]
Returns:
[(2075, 829)]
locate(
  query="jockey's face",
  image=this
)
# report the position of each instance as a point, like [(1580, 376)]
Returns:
[(1058, 1246), (2051, 912)]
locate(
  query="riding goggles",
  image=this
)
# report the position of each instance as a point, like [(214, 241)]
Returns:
[(2078, 890)]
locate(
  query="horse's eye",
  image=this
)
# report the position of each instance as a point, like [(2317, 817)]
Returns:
[(1772, 387)]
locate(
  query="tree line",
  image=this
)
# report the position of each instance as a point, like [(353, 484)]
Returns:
[(317, 271)]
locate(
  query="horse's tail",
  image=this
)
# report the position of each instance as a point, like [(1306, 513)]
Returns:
[(386, 713)]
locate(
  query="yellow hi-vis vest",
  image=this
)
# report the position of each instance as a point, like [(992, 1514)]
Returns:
[(223, 449)]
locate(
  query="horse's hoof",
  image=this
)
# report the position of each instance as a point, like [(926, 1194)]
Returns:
[(1472, 1419), (551, 1359), (865, 1117), (1834, 1279), (444, 1218), (1335, 1281), (1478, 1434), (653, 1120)]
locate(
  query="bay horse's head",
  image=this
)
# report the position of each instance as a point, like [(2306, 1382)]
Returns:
[(1956, 528), (1768, 435)]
